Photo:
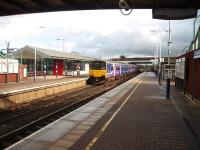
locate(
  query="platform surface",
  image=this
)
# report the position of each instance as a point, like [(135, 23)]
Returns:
[(134, 116), (147, 121)]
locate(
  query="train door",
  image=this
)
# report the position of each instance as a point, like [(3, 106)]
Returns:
[(110, 72)]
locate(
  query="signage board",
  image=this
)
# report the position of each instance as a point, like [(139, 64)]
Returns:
[(10, 64), (180, 68)]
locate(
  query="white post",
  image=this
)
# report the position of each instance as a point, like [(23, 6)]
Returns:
[(8, 43), (21, 57)]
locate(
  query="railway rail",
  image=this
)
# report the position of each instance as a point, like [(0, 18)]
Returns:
[(23, 123)]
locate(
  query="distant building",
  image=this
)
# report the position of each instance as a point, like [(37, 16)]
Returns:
[(52, 61)]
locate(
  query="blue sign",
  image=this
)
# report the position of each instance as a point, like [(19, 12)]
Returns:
[(197, 54)]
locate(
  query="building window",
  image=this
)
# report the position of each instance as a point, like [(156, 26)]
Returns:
[(82, 66), (30, 65), (39, 65), (70, 66), (65, 65), (49, 64)]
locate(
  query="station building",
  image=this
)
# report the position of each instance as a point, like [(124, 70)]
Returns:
[(52, 62)]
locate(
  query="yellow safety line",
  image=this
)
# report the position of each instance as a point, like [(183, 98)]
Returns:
[(98, 135)]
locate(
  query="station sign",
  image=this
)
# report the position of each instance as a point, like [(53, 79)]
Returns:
[(180, 68), (9, 66), (197, 53)]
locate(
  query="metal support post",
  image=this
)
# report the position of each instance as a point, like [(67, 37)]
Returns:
[(168, 88), (168, 79), (160, 57)]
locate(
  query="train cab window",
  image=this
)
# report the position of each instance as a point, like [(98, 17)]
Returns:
[(97, 65)]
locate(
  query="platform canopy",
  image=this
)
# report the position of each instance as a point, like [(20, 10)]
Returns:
[(28, 52), (13, 7)]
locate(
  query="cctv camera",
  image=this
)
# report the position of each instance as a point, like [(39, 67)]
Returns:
[(123, 5)]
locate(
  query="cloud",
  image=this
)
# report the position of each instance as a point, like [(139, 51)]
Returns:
[(95, 33)]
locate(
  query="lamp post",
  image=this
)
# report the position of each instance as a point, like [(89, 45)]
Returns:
[(35, 60), (169, 48), (159, 46), (63, 43), (168, 76)]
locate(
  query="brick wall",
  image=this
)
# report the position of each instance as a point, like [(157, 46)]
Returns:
[(12, 77)]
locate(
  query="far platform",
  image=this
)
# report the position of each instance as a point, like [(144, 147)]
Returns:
[(13, 95), (40, 81)]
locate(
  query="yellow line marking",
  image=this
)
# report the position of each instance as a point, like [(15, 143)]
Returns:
[(94, 140)]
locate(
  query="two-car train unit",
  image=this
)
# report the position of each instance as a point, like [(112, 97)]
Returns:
[(103, 71)]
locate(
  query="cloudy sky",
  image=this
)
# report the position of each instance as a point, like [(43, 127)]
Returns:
[(100, 33)]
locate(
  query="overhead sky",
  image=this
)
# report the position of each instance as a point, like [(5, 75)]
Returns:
[(99, 33)]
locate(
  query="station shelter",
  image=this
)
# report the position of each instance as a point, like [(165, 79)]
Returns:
[(52, 62), (188, 69)]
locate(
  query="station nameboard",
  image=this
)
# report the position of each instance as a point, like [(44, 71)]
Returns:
[(197, 53)]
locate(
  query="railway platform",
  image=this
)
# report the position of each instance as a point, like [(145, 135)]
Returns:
[(40, 81), (135, 115), (12, 94)]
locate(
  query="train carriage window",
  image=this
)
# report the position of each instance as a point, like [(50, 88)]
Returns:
[(117, 67)]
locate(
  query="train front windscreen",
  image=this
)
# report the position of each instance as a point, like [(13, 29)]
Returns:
[(97, 65)]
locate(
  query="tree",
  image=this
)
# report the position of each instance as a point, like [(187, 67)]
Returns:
[(122, 57)]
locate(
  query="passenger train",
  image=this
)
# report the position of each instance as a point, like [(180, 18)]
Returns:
[(102, 71)]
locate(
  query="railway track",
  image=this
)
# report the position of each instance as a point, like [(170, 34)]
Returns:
[(10, 115), (16, 127)]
